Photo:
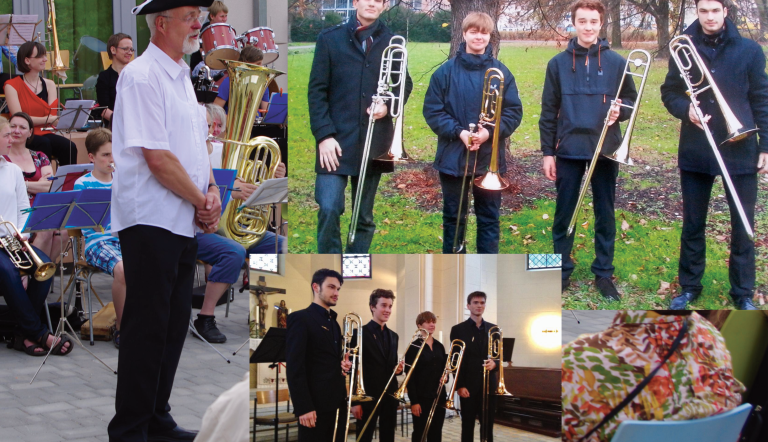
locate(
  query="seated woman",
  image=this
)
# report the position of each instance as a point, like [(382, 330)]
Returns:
[(120, 50), (36, 169), (36, 96), (25, 296)]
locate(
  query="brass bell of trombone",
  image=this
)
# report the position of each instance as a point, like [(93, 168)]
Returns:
[(395, 64), (493, 96)]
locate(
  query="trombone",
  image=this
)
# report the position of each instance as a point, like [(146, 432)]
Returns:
[(452, 365), (22, 255), (353, 325), (686, 57), (400, 393), (495, 351), (394, 62), (490, 115), (640, 59)]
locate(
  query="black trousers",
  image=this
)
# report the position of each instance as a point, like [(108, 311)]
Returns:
[(435, 428), (697, 188), (159, 269), (53, 145), (568, 184), (386, 415), (471, 409), (486, 203), (324, 425)]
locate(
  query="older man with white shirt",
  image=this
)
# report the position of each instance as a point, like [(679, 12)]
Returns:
[(162, 194)]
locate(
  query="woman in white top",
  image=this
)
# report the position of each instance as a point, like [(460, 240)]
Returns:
[(25, 296)]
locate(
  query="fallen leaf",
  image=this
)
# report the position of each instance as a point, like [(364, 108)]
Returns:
[(585, 224), (624, 225), (402, 186), (720, 237), (386, 221), (545, 216), (643, 222), (513, 227), (664, 288), (384, 232)]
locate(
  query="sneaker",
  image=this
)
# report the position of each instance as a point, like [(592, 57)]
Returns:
[(565, 284), (607, 289), (206, 326), (744, 303), (681, 302)]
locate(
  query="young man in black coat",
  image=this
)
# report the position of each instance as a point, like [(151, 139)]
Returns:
[(737, 66), (342, 82), (313, 353), (379, 361), (469, 384), (580, 84), (451, 104)]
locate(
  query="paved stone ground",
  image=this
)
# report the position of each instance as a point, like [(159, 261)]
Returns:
[(73, 397)]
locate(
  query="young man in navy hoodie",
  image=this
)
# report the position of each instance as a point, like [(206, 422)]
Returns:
[(737, 66), (580, 85)]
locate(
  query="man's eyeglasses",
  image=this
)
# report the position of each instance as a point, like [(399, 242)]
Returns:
[(127, 49), (188, 20)]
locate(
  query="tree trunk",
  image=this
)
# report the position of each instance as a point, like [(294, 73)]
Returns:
[(662, 27), (461, 8), (614, 16)]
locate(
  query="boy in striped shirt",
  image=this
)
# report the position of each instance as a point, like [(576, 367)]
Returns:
[(102, 250)]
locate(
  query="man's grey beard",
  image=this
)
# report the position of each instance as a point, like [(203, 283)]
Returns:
[(191, 46)]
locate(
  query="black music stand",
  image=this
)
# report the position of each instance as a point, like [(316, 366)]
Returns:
[(271, 351)]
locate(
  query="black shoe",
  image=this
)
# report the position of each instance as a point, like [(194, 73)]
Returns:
[(206, 326), (173, 435), (607, 289), (681, 302), (565, 284), (744, 303)]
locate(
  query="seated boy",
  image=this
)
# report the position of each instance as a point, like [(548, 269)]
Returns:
[(102, 250)]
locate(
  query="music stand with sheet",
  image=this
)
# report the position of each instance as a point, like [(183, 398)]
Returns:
[(75, 115), (271, 350), (68, 210), (68, 174), (277, 112), (225, 179), (273, 191)]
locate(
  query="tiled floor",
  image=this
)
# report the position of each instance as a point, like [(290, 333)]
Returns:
[(73, 397)]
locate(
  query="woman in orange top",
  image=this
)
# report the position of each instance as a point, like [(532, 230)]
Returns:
[(36, 96)]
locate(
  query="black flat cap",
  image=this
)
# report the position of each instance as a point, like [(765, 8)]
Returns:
[(152, 6)]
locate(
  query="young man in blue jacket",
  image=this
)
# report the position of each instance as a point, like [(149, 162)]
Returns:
[(580, 85), (342, 82), (737, 66), (451, 104)]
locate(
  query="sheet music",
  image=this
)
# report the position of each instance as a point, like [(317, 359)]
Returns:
[(269, 192)]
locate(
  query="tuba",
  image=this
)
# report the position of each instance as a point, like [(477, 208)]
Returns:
[(685, 55), (641, 59), (247, 83), (22, 255)]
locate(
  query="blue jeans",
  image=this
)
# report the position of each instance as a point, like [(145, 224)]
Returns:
[(329, 195), (487, 204), (266, 245), (26, 305), (225, 256)]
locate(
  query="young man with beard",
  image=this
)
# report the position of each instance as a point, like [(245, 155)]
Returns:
[(379, 361), (313, 351), (579, 86), (737, 66), (469, 384), (343, 80)]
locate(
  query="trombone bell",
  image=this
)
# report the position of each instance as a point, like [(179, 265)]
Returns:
[(491, 181), (396, 151), (621, 155), (738, 134)]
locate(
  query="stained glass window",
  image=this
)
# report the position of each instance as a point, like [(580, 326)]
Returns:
[(265, 263), (356, 266), (544, 261)]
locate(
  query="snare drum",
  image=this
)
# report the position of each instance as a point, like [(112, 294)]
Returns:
[(264, 39), (219, 41)]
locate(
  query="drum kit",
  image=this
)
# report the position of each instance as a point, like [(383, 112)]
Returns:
[(220, 42)]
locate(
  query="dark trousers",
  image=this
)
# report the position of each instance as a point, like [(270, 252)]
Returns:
[(26, 305), (487, 204), (53, 145), (471, 409), (435, 428), (324, 426), (329, 195), (159, 268), (386, 415), (568, 184), (697, 188)]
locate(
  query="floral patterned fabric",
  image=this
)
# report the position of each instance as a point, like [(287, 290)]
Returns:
[(599, 370), (40, 160)]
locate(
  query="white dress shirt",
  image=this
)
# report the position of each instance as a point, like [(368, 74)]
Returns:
[(156, 108), (227, 417), (13, 195), (215, 155)]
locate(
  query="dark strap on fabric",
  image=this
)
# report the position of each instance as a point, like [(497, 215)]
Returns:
[(639, 386)]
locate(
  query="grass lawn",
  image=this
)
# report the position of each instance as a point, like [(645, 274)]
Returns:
[(648, 228)]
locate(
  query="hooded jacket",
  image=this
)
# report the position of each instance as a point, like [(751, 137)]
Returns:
[(453, 101), (342, 82), (737, 66), (578, 89)]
